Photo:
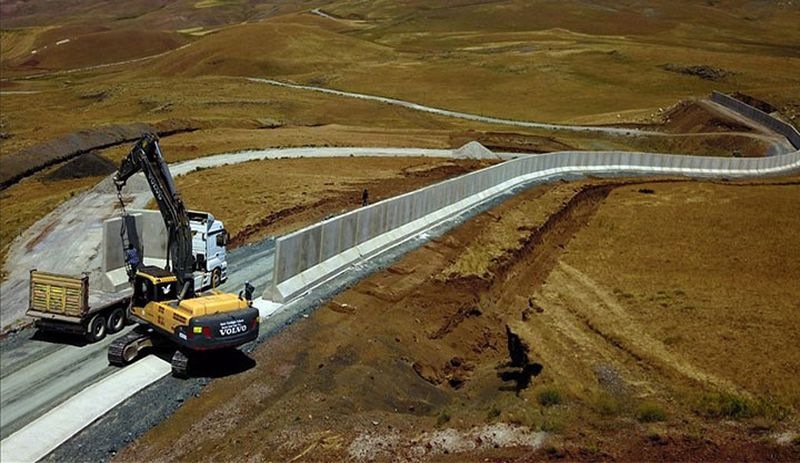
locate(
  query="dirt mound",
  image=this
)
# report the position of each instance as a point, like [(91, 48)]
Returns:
[(754, 102), (91, 164), (696, 117), (510, 142), (31, 160), (703, 71)]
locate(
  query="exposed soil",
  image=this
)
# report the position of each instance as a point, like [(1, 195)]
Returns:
[(702, 71), (91, 164), (510, 142), (695, 117), (754, 102), (531, 358), (16, 166)]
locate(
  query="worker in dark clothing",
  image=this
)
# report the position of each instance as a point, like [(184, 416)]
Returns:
[(365, 197), (132, 257)]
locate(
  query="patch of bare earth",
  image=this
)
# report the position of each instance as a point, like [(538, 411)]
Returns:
[(276, 196), (527, 347)]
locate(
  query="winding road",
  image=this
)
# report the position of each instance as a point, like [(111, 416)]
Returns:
[(778, 144)]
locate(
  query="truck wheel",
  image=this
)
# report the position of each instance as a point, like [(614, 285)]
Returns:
[(116, 320), (216, 277), (96, 330)]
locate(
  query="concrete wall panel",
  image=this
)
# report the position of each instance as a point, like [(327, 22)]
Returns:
[(155, 233), (349, 230), (330, 240), (308, 251), (307, 248), (288, 262), (151, 231)]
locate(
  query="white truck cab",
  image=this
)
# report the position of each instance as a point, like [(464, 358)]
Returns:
[(209, 239)]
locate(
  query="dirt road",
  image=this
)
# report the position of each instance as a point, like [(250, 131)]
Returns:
[(777, 144)]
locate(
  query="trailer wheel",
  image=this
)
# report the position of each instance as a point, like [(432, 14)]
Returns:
[(96, 330), (216, 277), (116, 320)]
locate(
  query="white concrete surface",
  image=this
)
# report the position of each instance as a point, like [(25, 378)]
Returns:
[(44, 435)]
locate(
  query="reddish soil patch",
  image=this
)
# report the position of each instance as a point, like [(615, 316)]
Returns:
[(31, 160), (695, 117), (415, 362), (510, 142), (754, 102)]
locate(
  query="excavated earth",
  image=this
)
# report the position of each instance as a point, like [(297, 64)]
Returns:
[(486, 344)]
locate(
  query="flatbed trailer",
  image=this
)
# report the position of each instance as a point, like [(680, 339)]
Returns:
[(65, 303)]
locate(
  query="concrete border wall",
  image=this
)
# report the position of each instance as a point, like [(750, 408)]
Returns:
[(755, 114), (314, 254)]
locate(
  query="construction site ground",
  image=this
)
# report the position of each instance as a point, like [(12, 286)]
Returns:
[(643, 334), (599, 320)]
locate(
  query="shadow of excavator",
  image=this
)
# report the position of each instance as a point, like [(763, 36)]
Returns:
[(519, 370), (212, 364)]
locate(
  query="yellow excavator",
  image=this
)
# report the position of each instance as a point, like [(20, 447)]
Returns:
[(164, 301)]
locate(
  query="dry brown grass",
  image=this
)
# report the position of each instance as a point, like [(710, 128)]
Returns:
[(709, 272), (300, 191), (505, 233)]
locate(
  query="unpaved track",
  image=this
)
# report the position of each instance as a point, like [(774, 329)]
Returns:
[(777, 143), (96, 66), (605, 315)]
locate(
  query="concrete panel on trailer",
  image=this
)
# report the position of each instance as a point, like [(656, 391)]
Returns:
[(113, 254), (153, 235), (154, 240)]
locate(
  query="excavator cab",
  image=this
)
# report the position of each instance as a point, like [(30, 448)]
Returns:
[(153, 284)]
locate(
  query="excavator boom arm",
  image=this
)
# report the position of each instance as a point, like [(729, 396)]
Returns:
[(146, 156)]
